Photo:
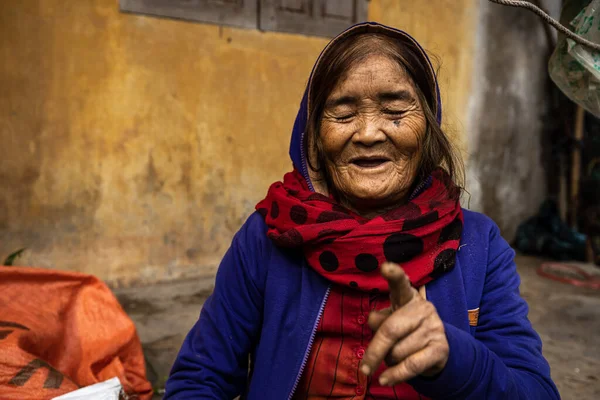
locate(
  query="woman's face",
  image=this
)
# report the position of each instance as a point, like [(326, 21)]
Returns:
[(370, 132)]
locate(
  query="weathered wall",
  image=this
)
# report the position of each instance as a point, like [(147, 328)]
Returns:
[(134, 147), (507, 105), (446, 29)]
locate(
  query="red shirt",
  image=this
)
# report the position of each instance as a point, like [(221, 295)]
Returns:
[(342, 336)]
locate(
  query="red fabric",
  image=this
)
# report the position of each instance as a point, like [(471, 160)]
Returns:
[(332, 369), (421, 235), (60, 331)]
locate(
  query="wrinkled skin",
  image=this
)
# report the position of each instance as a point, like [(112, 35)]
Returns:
[(370, 133), (409, 335)]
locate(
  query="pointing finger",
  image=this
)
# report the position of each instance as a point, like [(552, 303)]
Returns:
[(401, 291)]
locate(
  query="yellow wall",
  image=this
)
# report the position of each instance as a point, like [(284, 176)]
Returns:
[(446, 29), (134, 147)]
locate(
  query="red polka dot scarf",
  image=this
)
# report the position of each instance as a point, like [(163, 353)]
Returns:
[(421, 235)]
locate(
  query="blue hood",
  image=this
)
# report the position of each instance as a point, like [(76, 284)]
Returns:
[(296, 146)]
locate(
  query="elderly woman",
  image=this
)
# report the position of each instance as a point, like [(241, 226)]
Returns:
[(360, 276)]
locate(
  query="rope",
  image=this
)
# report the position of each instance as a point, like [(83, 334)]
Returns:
[(560, 27)]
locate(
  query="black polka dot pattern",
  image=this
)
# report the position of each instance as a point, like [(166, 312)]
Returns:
[(451, 231), (338, 208), (328, 261), (291, 238), (318, 197), (415, 223), (422, 235), (402, 247), (298, 214), (328, 216), (433, 204), (444, 262), (274, 210), (408, 211), (326, 232), (366, 262)]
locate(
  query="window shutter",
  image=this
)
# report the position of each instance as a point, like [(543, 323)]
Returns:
[(241, 13), (311, 17)]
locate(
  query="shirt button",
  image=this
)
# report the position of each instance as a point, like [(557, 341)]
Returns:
[(360, 390), (361, 320), (360, 353)]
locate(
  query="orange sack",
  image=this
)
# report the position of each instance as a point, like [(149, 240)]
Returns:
[(60, 331)]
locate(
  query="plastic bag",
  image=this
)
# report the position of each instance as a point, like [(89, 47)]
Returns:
[(545, 234), (574, 68), (587, 25), (60, 331), (107, 390)]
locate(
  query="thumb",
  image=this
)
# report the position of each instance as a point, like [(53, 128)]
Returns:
[(376, 318)]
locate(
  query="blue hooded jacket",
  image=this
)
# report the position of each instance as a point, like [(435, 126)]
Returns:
[(255, 331)]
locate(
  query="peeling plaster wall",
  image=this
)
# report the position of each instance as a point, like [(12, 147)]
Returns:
[(505, 176), (133, 147)]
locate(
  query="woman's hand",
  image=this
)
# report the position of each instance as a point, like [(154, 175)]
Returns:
[(409, 335)]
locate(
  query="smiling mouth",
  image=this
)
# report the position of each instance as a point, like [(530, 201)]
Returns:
[(369, 162)]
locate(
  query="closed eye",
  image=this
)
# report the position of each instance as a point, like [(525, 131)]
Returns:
[(395, 113), (344, 118)]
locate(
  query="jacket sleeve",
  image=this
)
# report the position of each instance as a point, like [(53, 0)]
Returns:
[(503, 360), (213, 360)]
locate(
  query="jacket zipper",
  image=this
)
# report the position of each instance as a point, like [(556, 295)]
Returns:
[(304, 167), (419, 188), (322, 309), (310, 343)]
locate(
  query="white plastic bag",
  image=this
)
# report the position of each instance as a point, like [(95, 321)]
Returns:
[(575, 68), (107, 390)]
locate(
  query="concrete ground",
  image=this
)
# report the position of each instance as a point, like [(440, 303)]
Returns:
[(566, 317)]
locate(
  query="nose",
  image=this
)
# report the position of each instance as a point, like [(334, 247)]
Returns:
[(369, 133)]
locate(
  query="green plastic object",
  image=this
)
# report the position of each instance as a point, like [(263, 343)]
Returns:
[(575, 68)]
